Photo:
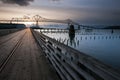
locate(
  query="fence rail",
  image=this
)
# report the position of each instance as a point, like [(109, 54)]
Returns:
[(72, 64)]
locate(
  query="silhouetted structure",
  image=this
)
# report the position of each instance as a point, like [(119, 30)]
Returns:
[(71, 33), (71, 36), (37, 19), (112, 31), (78, 27), (71, 30)]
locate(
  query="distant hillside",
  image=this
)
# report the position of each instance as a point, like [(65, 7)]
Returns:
[(11, 26), (112, 27)]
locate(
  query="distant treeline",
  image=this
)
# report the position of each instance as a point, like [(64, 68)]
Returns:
[(11, 26), (112, 27)]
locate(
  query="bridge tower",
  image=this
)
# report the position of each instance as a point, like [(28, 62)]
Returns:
[(37, 18)]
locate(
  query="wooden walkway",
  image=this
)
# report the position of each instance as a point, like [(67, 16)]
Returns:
[(22, 59)]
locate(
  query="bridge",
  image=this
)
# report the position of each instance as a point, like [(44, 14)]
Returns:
[(26, 54), (38, 18)]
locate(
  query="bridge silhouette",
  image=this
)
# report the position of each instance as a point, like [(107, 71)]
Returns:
[(38, 18)]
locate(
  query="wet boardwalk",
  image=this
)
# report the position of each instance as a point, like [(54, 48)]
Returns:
[(22, 59)]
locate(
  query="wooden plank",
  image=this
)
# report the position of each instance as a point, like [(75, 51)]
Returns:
[(28, 63), (7, 43)]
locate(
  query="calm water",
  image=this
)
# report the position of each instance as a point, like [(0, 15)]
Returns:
[(101, 44)]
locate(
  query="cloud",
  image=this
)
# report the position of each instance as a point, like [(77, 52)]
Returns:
[(21, 2), (18, 2)]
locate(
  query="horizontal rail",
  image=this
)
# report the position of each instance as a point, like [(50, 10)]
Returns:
[(72, 64)]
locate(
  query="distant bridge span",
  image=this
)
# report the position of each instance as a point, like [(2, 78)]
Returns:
[(37, 19)]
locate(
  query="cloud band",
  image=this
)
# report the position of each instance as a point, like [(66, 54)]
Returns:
[(18, 2)]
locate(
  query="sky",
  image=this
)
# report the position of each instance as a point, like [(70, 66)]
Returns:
[(97, 12)]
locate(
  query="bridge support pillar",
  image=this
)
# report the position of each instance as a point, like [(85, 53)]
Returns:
[(78, 27), (71, 30)]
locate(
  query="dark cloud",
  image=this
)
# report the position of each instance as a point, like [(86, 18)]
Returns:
[(21, 2), (18, 2)]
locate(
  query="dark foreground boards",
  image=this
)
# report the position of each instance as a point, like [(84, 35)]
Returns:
[(28, 61)]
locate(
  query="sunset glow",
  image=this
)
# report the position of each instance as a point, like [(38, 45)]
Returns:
[(81, 11)]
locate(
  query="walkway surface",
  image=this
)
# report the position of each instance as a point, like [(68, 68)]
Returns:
[(22, 59)]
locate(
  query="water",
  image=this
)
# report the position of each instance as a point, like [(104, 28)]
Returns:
[(103, 45)]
